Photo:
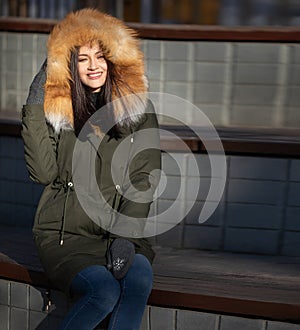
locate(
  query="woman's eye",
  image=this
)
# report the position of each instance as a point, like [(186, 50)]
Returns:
[(100, 57), (82, 59)]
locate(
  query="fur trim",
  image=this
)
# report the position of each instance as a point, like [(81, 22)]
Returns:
[(120, 46)]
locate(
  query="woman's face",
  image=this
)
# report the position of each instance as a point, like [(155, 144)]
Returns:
[(92, 67)]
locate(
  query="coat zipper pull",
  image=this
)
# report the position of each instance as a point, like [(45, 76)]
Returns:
[(69, 186)]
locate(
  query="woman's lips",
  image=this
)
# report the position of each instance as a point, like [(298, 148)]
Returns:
[(94, 76)]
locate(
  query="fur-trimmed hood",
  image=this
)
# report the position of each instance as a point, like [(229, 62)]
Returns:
[(119, 45)]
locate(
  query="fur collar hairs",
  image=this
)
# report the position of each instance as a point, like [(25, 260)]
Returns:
[(120, 46)]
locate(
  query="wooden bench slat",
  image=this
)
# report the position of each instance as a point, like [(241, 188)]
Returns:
[(235, 141)]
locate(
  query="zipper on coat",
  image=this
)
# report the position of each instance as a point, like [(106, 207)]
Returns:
[(62, 231)]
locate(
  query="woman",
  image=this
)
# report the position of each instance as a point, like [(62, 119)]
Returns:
[(92, 59)]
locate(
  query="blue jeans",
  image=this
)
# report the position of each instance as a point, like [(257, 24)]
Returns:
[(101, 294)]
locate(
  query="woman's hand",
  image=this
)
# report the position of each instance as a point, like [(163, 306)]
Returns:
[(36, 89)]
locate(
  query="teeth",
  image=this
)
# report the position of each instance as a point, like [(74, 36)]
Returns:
[(94, 75)]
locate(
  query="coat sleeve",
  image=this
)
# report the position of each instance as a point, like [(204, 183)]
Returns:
[(39, 145), (144, 175)]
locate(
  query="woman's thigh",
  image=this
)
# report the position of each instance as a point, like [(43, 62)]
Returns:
[(135, 290), (139, 279), (97, 282), (98, 293)]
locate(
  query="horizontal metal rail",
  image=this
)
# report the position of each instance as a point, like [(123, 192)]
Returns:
[(171, 31)]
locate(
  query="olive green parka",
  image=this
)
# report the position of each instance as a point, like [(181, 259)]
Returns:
[(67, 236)]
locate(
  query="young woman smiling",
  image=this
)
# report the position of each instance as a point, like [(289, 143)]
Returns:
[(92, 60)]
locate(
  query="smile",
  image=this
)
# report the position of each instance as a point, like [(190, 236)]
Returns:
[(94, 75)]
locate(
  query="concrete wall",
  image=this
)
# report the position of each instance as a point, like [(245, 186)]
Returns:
[(252, 84), (259, 211), (22, 308)]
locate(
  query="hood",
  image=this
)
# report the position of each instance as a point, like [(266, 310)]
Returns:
[(119, 45)]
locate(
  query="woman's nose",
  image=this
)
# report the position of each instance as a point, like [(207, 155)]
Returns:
[(93, 64)]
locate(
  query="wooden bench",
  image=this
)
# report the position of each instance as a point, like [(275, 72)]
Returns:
[(258, 286), (236, 141)]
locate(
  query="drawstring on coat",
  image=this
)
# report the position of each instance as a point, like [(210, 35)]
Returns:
[(115, 205)]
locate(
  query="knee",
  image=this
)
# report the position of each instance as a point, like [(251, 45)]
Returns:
[(106, 293), (140, 275)]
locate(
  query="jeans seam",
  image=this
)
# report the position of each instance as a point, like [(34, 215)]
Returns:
[(119, 305)]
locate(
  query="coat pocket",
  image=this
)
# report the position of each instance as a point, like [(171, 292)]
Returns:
[(52, 211)]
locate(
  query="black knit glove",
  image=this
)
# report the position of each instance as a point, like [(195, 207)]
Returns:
[(120, 257), (36, 89)]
